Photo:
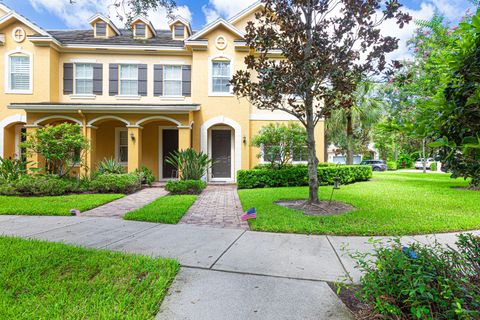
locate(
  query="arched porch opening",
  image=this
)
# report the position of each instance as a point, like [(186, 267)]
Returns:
[(12, 134)]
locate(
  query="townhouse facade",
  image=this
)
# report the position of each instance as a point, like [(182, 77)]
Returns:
[(138, 93)]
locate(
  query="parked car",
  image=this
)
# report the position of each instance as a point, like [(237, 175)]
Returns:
[(377, 165), (419, 163)]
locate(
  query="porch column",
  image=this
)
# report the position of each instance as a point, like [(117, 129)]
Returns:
[(35, 161), (87, 167), (184, 137), (134, 147)]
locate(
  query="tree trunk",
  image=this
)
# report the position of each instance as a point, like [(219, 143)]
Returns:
[(349, 137), (325, 147), (424, 157), (312, 164)]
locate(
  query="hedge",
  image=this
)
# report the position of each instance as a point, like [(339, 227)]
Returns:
[(298, 176), (185, 186)]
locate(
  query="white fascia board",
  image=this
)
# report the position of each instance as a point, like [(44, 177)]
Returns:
[(213, 25), (245, 11), (31, 25)]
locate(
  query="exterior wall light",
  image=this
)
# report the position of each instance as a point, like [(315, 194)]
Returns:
[(132, 136), (244, 140)]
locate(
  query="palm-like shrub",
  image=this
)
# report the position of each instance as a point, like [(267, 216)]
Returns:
[(191, 165), (12, 170), (110, 166)]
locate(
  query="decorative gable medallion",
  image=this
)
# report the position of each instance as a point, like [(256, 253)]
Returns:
[(18, 34), (221, 43)]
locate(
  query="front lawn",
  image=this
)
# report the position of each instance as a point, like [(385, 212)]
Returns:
[(54, 205), (168, 209), (40, 280), (390, 204)]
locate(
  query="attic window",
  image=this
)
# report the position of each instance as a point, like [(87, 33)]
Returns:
[(140, 30), (179, 31), (101, 29)]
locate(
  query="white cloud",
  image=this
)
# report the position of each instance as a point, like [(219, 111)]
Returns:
[(76, 15), (224, 8), (210, 14)]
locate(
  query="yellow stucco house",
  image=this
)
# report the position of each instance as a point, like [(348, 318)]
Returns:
[(138, 93)]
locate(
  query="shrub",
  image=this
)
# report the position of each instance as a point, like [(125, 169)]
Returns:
[(433, 166), (405, 161), (423, 282), (116, 183), (110, 166), (60, 145), (43, 185), (298, 176), (185, 186), (12, 170), (190, 164), (280, 143), (146, 175), (392, 165)]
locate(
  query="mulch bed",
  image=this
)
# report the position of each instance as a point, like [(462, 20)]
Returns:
[(324, 208), (468, 188), (360, 309)]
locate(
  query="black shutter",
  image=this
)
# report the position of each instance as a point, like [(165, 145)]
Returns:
[(142, 79), (98, 79), (186, 81), (158, 80), (113, 79), (68, 78)]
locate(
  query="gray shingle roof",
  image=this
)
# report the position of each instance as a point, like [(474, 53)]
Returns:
[(163, 38)]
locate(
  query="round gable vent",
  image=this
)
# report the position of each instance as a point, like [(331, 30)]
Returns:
[(221, 42)]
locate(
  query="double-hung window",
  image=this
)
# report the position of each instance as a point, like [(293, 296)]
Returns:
[(19, 72), (129, 80), (172, 80), (221, 76), (122, 145), (83, 78)]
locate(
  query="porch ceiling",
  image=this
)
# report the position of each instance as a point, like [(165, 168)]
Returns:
[(106, 107)]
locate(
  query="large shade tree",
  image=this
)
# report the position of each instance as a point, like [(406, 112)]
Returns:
[(326, 46)]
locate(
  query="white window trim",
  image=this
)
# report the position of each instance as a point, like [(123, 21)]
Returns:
[(181, 81), (7, 72), (262, 159), (18, 141), (210, 76), (144, 36), (126, 96), (82, 95), (117, 145)]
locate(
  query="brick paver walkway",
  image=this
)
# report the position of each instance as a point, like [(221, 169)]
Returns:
[(118, 208), (217, 206)]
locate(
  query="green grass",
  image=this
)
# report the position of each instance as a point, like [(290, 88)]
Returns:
[(168, 209), (40, 280), (390, 204), (53, 206)]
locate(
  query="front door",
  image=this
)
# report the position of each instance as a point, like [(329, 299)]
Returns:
[(221, 154), (169, 144)]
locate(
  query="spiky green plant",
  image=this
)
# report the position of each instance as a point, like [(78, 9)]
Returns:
[(11, 170), (110, 166), (191, 165)]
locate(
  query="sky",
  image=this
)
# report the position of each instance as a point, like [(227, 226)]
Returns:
[(61, 14)]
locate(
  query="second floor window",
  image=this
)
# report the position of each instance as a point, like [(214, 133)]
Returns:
[(83, 78), (19, 72), (172, 80), (221, 76), (128, 80)]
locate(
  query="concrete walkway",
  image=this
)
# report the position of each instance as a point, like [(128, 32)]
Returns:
[(120, 207), (226, 273), (217, 206)]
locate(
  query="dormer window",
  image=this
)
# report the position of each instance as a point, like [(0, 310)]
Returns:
[(101, 29), (179, 31), (140, 30)]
